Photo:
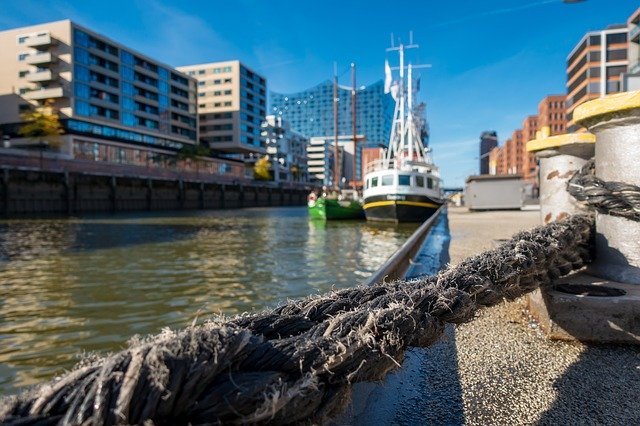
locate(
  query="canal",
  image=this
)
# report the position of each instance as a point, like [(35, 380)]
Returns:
[(80, 285)]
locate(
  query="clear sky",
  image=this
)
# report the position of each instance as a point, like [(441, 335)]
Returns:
[(493, 60)]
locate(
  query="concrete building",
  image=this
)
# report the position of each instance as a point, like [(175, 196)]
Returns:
[(231, 106), (287, 150), (311, 111), (321, 159), (488, 141), (631, 79), (115, 104), (595, 67)]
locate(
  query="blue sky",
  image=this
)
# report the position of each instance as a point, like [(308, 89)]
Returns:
[(493, 60)]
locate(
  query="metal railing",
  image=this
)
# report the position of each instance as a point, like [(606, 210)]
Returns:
[(398, 264)]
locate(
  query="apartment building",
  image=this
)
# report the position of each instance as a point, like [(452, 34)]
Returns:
[(631, 80), (287, 150), (595, 67), (512, 157), (231, 107), (321, 159), (116, 104)]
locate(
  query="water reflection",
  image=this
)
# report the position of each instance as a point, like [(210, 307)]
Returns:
[(88, 284)]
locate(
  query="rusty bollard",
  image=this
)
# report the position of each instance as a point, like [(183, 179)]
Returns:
[(601, 304)]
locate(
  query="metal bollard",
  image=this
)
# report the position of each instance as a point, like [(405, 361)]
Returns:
[(615, 121), (601, 304), (560, 157)]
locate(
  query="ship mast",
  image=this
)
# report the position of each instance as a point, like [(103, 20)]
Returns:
[(336, 174), (353, 123)]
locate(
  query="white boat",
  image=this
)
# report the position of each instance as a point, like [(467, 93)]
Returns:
[(404, 185)]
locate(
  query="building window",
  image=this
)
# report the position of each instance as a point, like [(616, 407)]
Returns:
[(387, 180), (616, 38), (21, 74), (22, 56), (617, 55), (227, 104)]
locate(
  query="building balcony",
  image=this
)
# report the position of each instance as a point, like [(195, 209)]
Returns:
[(40, 76), (634, 34), (41, 40), (42, 94), (40, 58)]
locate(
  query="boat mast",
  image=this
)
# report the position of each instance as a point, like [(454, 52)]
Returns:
[(336, 175), (410, 117), (353, 123)]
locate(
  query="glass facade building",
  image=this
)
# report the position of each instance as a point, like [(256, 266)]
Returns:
[(310, 112)]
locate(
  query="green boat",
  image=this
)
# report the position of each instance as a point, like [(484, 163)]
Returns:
[(326, 208)]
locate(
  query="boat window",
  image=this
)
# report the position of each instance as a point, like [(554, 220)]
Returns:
[(374, 181), (420, 181), (387, 180), (404, 180), (429, 183)]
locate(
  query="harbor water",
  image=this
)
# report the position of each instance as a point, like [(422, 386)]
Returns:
[(73, 286)]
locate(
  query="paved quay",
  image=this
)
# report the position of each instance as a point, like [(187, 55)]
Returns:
[(509, 373), (500, 369)]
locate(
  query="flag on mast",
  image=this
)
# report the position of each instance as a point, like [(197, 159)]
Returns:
[(387, 77)]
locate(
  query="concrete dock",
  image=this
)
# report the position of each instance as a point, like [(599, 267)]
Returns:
[(500, 369)]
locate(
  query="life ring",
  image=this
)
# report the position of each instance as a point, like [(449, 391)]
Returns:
[(312, 197)]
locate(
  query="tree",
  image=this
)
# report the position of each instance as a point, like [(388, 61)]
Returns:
[(42, 124), (191, 152), (261, 169)]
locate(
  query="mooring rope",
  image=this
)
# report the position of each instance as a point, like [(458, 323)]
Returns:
[(296, 363), (614, 198)]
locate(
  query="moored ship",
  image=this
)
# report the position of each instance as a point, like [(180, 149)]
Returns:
[(404, 185)]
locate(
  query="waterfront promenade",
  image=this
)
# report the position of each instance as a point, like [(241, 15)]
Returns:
[(500, 369)]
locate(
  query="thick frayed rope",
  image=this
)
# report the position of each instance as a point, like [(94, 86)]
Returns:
[(613, 198), (296, 363)]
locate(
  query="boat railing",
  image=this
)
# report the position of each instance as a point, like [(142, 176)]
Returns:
[(378, 164)]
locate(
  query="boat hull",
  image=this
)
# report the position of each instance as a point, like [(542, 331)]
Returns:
[(330, 209), (400, 208)]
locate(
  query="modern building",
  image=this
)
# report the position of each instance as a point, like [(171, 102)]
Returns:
[(311, 111), (631, 79), (321, 159), (115, 104), (512, 157), (287, 150), (232, 103), (595, 67), (488, 141)]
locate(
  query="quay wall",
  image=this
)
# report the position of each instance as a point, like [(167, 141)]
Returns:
[(33, 192)]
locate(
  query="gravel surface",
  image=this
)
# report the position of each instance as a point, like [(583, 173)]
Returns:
[(509, 373)]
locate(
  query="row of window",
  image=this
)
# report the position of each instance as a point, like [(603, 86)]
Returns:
[(218, 70), (215, 93), (125, 135), (216, 127), (403, 180), (24, 38), (215, 82), (216, 116), (216, 104)]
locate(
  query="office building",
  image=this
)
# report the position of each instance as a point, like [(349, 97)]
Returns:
[(488, 141), (595, 67), (287, 150), (115, 104), (231, 106), (311, 111)]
